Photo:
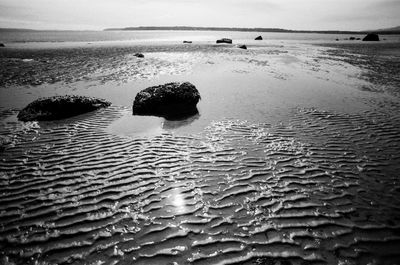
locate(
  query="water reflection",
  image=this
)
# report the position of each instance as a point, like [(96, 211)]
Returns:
[(173, 124), (177, 200), (134, 125)]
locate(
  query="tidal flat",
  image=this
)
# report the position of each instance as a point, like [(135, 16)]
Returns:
[(293, 158)]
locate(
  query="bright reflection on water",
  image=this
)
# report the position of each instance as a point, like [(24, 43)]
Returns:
[(177, 200)]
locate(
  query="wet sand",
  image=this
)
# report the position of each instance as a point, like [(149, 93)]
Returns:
[(293, 158)]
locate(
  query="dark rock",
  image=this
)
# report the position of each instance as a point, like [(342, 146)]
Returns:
[(337, 39), (371, 37), (352, 38), (242, 47), (187, 41), (259, 38), (139, 55), (358, 39), (171, 101), (224, 40), (60, 107), (2, 45)]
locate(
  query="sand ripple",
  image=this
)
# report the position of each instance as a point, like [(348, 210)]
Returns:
[(314, 191), (379, 64)]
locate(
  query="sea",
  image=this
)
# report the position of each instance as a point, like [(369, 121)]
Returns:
[(21, 36), (293, 157)]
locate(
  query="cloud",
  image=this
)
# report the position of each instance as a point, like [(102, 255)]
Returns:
[(292, 14), (368, 14)]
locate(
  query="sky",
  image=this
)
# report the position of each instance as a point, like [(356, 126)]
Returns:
[(287, 14)]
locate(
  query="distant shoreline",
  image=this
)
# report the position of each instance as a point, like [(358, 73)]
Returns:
[(394, 31), (177, 28)]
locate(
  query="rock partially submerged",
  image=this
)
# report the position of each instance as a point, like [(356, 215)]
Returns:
[(259, 38), (187, 41), (371, 37), (242, 47), (60, 107), (224, 40), (139, 55), (171, 101)]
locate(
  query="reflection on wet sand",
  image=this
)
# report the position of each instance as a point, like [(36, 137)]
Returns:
[(174, 124), (177, 200)]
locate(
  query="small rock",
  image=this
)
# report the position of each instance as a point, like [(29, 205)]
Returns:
[(2, 45), (371, 37), (224, 40), (139, 55), (242, 47), (60, 107), (358, 39), (352, 38), (187, 41), (259, 38), (171, 101), (337, 39)]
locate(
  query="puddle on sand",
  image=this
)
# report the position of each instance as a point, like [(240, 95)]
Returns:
[(134, 125), (148, 126)]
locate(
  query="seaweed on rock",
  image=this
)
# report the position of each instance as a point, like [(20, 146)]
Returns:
[(60, 107)]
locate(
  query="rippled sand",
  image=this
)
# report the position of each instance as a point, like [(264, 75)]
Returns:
[(290, 161)]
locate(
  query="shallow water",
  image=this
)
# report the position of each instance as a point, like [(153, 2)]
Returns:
[(31, 37), (290, 160)]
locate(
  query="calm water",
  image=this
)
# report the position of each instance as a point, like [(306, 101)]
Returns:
[(294, 157), (93, 36)]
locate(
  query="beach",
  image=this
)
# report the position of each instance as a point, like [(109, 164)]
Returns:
[(293, 158)]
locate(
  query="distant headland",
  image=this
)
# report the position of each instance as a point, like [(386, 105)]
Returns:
[(395, 30)]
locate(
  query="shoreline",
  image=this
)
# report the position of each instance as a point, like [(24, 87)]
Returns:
[(169, 37)]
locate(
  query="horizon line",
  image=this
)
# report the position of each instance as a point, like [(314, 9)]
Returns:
[(390, 30)]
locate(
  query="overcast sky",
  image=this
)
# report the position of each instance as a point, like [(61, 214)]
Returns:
[(288, 14)]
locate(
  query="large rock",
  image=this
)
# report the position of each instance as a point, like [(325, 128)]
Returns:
[(2, 45), (224, 40), (171, 101), (60, 107), (371, 37), (259, 38)]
